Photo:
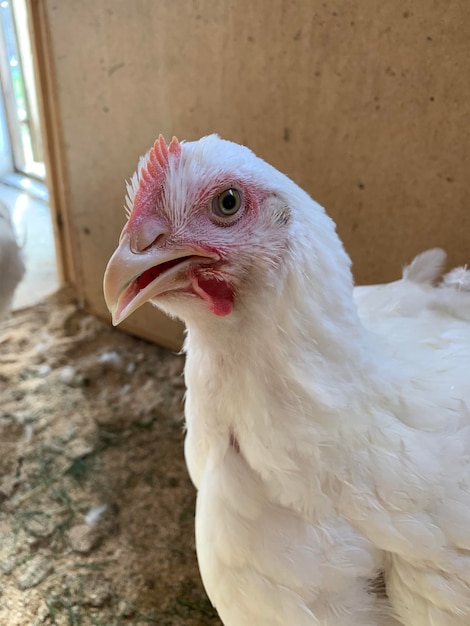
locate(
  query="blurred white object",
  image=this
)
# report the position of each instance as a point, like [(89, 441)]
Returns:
[(95, 514), (68, 374), (111, 360), (12, 267)]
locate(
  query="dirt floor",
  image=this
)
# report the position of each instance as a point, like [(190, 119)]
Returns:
[(96, 507)]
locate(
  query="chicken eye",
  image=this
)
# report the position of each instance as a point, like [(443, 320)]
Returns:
[(227, 203)]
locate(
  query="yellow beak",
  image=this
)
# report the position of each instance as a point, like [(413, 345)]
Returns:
[(132, 278)]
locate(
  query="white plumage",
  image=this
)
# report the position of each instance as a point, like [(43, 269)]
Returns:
[(328, 428), (11, 263)]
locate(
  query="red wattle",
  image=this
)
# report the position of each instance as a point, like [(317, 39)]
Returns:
[(217, 293)]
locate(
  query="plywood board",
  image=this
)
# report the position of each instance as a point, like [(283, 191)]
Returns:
[(363, 103)]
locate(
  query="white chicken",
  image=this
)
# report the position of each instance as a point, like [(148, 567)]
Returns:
[(12, 267), (328, 428)]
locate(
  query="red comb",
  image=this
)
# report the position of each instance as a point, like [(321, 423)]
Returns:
[(152, 174), (158, 159)]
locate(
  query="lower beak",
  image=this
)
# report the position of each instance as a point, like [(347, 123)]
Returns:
[(131, 279)]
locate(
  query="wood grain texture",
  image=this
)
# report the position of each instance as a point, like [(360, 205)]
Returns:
[(364, 104)]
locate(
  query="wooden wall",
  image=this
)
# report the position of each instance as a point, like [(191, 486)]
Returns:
[(363, 103)]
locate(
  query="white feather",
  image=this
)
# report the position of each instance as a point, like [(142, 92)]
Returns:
[(132, 186)]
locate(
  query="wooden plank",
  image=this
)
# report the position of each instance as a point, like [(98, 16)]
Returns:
[(49, 114), (364, 104)]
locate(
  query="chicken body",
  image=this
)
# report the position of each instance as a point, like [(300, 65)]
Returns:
[(12, 267), (328, 428)]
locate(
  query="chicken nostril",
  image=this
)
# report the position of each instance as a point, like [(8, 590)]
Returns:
[(147, 233), (159, 239)]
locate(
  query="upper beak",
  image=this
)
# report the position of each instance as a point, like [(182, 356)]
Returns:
[(132, 278)]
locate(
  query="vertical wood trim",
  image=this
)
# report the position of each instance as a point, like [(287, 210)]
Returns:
[(54, 150)]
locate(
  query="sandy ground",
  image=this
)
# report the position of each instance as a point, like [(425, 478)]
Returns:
[(96, 508)]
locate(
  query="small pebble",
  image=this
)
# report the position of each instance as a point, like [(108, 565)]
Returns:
[(125, 609), (96, 592), (34, 572), (83, 538), (40, 525), (8, 565), (77, 448)]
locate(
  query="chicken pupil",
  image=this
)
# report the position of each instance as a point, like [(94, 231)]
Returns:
[(229, 200)]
